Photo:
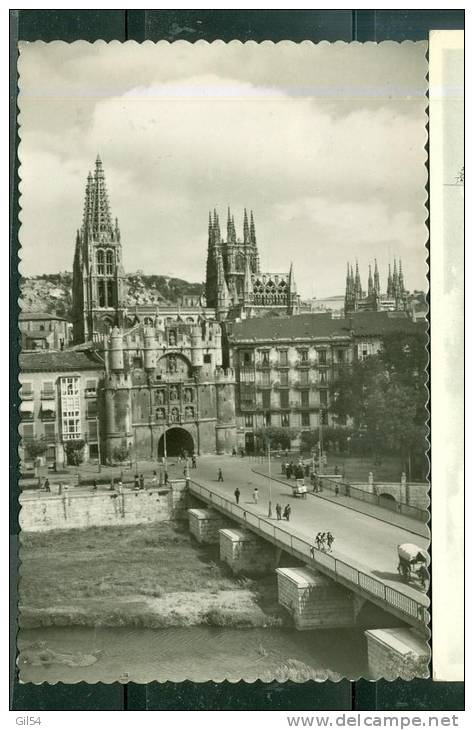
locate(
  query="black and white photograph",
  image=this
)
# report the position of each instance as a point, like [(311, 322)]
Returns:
[(224, 424)]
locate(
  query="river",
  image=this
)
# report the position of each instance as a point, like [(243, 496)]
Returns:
[(198, 653)]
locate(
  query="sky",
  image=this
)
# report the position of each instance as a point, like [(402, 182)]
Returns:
[(325, 143)]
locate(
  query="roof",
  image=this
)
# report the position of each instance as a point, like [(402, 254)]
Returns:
[(314, 325), (40, 316), (59, 360)]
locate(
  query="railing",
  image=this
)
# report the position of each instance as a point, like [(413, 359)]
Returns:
[(347, 490), (367, 584)]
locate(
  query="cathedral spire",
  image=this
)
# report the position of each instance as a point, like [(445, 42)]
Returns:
[(389, 283), (229, 226), (370, 283), (376, 279), (101, 219), (401, 282), (246, 227), (358, 285), (395, 280), (253, 238), (88, 203)]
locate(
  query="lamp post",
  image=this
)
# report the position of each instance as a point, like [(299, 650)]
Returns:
[(98, 444), (269, 479)]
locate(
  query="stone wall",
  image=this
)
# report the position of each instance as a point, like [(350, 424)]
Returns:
[(244, 552), (72, 511), (204, 524), (394, 653), (314, 600)]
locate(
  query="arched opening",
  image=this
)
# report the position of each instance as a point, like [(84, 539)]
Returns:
[(179, 442), (388, 501)]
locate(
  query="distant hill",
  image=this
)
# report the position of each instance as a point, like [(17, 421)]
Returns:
[(53, 292)]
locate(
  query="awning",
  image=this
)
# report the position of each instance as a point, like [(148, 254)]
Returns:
[(27, 406), (48, 405)]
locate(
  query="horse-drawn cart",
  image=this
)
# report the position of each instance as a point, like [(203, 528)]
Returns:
[(300, 489), (413, 563)]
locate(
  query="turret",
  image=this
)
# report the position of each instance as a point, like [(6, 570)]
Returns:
[(376, 279), (149, 350), (116, 350)]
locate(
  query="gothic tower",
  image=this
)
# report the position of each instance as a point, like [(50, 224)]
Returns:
[(98, 289)]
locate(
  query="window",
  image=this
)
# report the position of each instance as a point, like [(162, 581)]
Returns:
[(304, 379), (303, 357), (26, 390), (49, 431), (101, 293), (91, 387), (207, 359), (341, 355), (246, 358), (268, 419), (109, 263), (324, 418), (284, 378), (92, 430), (305, 398), (283, 358), (28, 430), (266, 379), (70, 408), (247, 376), (100, 262), (305, 419), (323, 397), (110, 293), (322, 357), (266, 399), (285, 420), (323, 379), (284, 399), (249, 421), (247, 394), (265, 357), (91, 409), (47, 387)]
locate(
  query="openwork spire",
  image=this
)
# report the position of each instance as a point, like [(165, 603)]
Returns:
[(101, 218), (246, 227), (370, 283), (401, 282), (89, 203), (376, 279), (253, 237), (357, 284)]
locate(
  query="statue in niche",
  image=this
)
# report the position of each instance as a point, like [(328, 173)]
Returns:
[(189, 413), (172, 364), (174, 415), (188, 395), (174, 395), (160, 397), (160, 414), (172, 338)]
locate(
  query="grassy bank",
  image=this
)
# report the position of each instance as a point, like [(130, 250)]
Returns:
[(150, 576)]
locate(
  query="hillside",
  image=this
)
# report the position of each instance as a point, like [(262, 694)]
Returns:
[(52, 292)]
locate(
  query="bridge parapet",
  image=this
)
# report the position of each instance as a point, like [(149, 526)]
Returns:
[(413, 611)]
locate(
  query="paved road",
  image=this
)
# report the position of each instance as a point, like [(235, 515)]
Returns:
[(361, 540)]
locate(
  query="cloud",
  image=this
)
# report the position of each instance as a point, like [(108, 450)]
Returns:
[(328, 176)]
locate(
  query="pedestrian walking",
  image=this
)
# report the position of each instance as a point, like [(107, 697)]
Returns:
[(142, 481), (119, 486), (423, 575), (278, 510), (166, 477), (330, 540), (287, 512), (320, 484), (306, 470), (94, 485), (237, 495), (47, 488), (193, 461), (220, 477), (255, 495), (60, 488), (154, 478), (323, 541), (336, 490), (283, 467), (288, 471), (336, 470), (136, 482), (317, 540)]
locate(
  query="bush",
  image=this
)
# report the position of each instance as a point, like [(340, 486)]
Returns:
[(35, 448), (121, 453), (75, 451)]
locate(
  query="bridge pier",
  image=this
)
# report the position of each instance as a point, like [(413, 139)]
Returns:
[(314, 600), (204, 524), (394, 653), (244, 552)]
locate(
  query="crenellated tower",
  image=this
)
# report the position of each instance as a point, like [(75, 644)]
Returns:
[(98, 289)]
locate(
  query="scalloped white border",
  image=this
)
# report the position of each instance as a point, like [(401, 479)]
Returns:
[(200, 42)]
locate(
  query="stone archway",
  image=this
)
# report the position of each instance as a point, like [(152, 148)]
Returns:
[(178, 441)]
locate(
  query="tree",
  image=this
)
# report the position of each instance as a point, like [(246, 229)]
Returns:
[(278, 437), (36, 448), (121, 453), (74, 449)]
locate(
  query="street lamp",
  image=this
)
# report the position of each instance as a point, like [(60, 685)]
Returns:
[(269, 478), (98, 444)]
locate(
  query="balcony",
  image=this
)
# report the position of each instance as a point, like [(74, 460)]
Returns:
[(26, 394), (263, 365), (48, 395)]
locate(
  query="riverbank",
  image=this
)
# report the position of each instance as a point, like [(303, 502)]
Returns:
[(147, 576)]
